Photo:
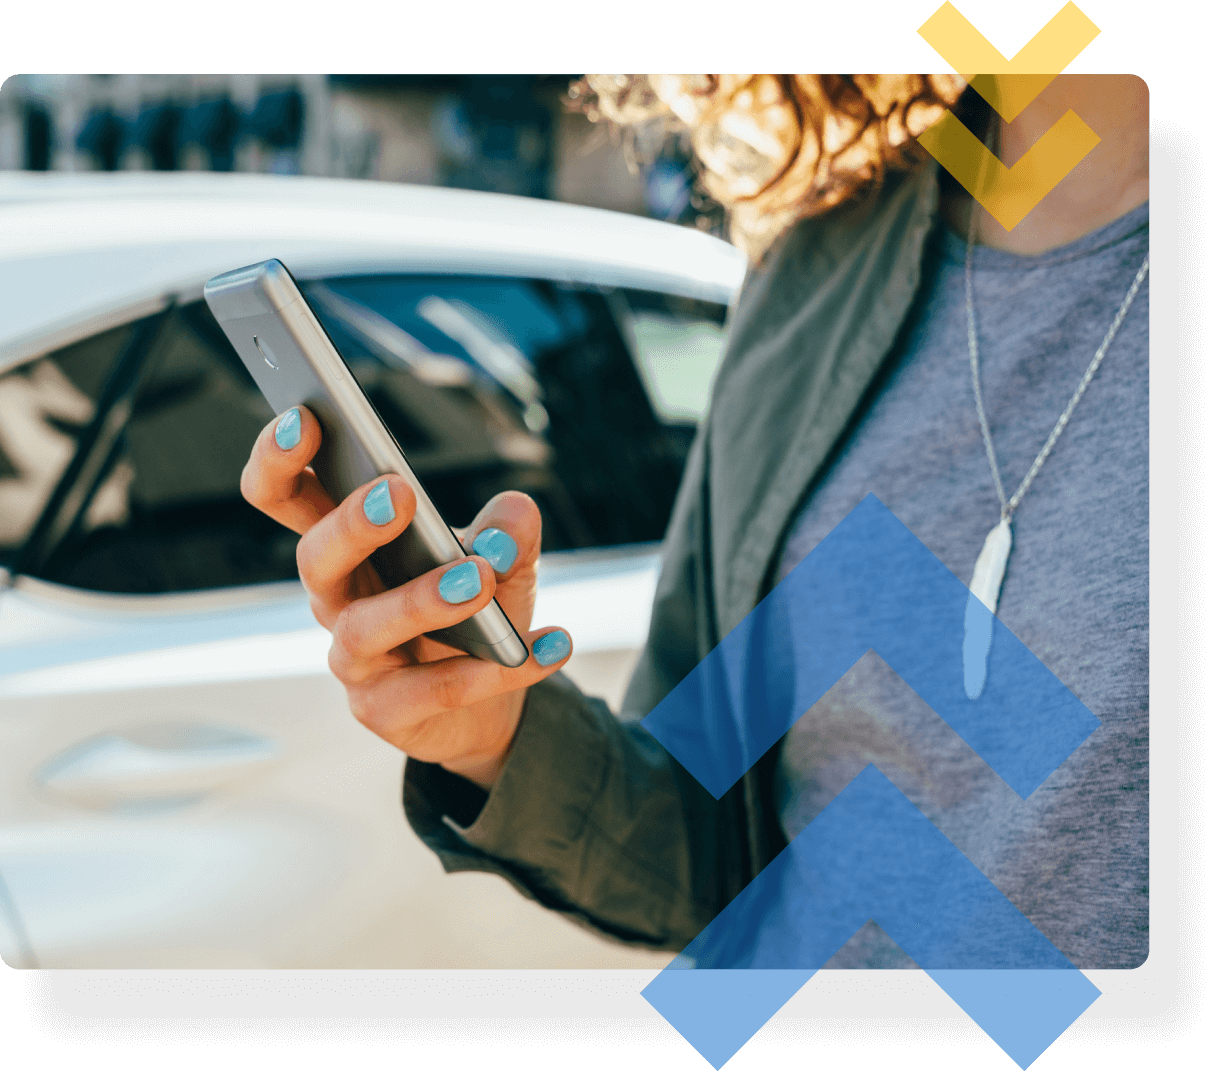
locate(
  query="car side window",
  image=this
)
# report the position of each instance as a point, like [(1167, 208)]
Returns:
[(165, 513), (486, 383), (678, 344), (548, 373), (45, 404)]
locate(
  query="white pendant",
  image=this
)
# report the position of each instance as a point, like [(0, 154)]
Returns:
[(991, 564), (980, 608)]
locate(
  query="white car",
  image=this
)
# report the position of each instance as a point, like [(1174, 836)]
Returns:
[(181, 782)]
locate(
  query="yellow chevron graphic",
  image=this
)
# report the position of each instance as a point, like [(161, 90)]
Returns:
[(1027, 74), (1009, 193)]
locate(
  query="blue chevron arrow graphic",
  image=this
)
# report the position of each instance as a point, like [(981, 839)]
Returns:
[(869, 585), (871, 854)]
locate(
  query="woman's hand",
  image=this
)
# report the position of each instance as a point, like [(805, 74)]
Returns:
[(419, 694)]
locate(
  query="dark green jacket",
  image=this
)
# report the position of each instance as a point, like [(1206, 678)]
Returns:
[(591, 816)]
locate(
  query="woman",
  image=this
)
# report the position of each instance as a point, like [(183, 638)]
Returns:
[(848, 372)]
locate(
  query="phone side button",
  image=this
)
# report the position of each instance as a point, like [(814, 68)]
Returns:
[(337, 368)]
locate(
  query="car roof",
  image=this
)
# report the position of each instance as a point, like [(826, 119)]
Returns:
[(81, 252)]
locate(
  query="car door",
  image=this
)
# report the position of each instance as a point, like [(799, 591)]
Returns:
[(181, 783), (160, 800)]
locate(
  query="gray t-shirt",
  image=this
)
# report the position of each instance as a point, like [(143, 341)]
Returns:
[(1073, 857)]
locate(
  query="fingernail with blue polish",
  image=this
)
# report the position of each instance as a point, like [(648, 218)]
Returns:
[(551, 647), (378, 505), (286, 434), (496, 547), (461, 583)]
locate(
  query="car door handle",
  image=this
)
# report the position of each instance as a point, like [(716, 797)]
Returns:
[(165, 762)]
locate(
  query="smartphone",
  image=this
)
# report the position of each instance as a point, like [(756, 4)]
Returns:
[(294, 363)]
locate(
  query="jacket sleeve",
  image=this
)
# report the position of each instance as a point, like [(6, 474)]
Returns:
[(590, 815)]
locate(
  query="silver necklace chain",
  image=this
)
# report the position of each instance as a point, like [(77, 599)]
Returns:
[(1008, 506)]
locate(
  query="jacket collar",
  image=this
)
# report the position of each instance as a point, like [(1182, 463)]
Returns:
[(812, 328)]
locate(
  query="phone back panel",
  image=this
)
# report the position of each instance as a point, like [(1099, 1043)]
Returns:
[(294, 363)]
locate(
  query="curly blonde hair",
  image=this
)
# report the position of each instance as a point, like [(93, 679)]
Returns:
[(772, 148)]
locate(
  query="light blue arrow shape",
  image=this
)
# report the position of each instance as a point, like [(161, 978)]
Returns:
[(718, 1009), (871, 584), (871, 854)]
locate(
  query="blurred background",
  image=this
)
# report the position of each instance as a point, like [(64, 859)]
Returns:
[(508, 134)]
